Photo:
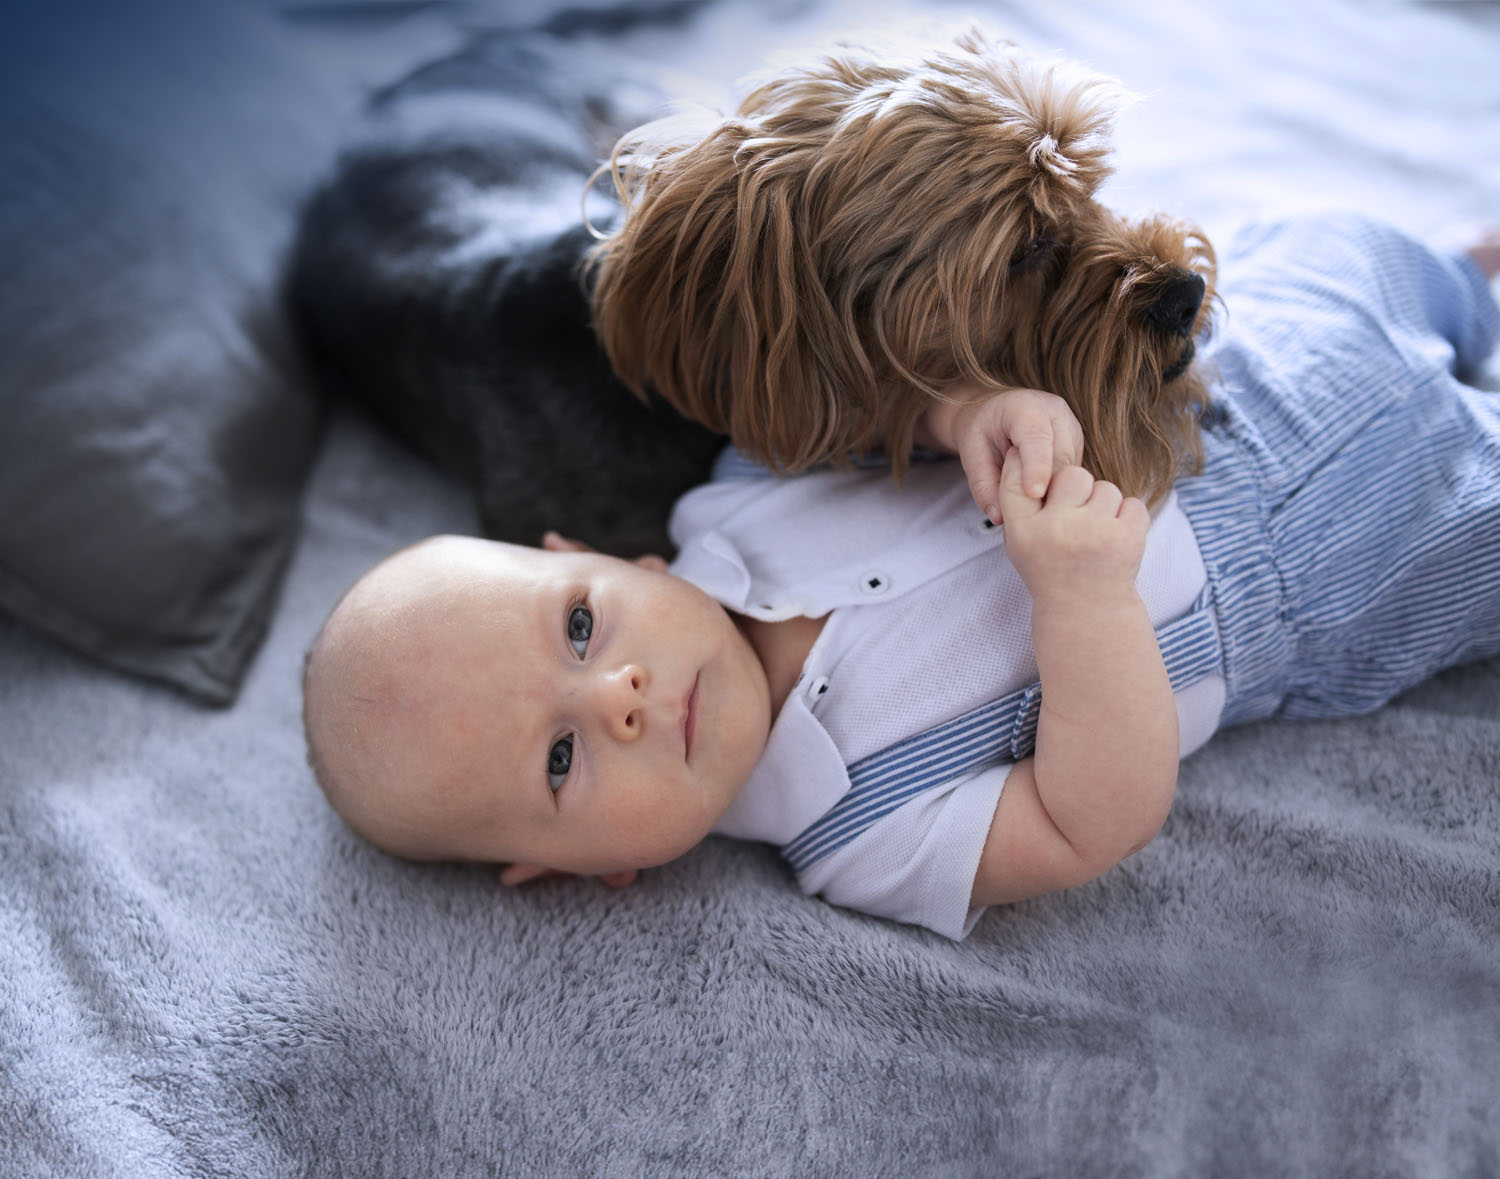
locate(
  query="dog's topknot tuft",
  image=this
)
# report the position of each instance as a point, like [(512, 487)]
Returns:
[(1060, 115)]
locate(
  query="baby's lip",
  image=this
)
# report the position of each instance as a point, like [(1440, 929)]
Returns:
[(689, 719)]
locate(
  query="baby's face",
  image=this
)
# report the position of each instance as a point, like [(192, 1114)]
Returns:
[(568, 710)]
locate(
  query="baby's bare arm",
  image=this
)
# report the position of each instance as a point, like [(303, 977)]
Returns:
[(1100, 784)]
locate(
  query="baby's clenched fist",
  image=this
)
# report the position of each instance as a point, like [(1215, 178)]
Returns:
[(1084, 539)]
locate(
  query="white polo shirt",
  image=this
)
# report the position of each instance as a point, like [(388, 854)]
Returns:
[(928, 619)]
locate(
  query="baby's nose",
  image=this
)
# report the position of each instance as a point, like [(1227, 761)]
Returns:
[(622, 700)]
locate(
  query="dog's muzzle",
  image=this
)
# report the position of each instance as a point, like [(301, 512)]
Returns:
[(1176, 308), (1180, 365)]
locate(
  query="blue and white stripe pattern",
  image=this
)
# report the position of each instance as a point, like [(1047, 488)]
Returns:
[(1349, 509), (1004, 730)]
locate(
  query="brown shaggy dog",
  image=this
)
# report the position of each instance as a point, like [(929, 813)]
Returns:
[(865, 231)]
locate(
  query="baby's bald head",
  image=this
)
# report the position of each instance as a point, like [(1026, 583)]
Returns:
[(380, 682), (551, 709)]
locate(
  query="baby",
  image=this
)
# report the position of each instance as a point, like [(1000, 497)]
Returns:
[(849, 669), (645, 702)]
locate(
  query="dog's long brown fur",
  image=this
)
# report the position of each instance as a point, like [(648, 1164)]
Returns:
[(864, 232)]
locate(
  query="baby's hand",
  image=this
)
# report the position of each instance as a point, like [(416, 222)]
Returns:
[(1484, 248), (1038, 425), (1086, 539)]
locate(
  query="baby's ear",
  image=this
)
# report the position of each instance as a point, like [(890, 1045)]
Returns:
[(653, 562)]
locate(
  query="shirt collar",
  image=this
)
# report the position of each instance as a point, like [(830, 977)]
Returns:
[(799, 776)]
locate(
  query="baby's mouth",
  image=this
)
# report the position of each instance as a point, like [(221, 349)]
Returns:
[(689, 720)]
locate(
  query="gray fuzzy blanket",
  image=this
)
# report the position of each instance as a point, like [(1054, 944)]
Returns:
[(203, 974)]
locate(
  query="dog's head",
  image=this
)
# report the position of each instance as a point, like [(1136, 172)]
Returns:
[(1108, 314), (867, 229)]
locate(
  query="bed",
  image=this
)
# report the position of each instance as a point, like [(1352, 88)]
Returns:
[(202, 973)]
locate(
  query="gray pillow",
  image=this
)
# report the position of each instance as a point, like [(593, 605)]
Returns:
[(154, 439)]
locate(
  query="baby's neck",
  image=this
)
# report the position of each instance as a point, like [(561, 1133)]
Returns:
[(782, 648)]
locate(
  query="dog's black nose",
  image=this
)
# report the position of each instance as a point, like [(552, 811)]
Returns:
[(1177, 306)]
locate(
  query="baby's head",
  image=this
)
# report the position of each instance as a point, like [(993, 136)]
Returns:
[(549, 708)]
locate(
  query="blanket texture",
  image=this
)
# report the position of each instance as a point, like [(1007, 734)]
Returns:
[(203, 974)]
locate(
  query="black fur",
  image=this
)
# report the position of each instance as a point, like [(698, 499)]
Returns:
[(435, 279)]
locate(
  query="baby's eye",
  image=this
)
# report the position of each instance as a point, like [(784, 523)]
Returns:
[(580, 627), (559, 762)]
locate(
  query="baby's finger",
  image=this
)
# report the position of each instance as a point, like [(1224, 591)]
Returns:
[(983, 472), (1135, 513), (1015, 503), (1035, 445), (1106, 498), (1067, 441), (1070, 488), (556, 542), (514, 874)]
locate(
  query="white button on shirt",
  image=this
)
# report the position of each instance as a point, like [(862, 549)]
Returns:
[(937, 624)]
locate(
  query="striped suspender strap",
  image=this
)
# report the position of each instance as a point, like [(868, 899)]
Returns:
[(1003, 730)]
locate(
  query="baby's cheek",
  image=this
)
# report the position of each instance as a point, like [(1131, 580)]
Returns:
[(657, 825)]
